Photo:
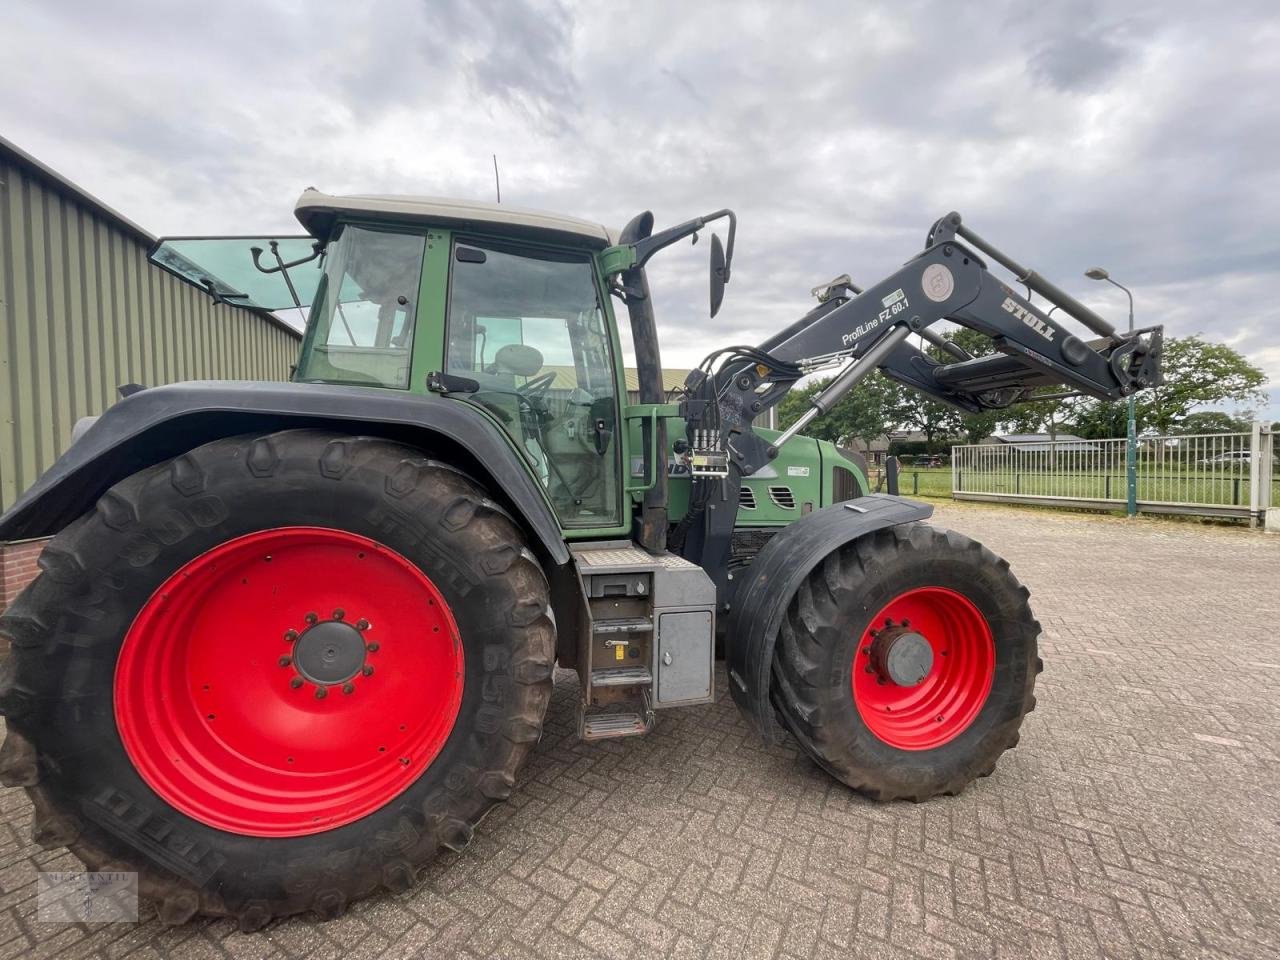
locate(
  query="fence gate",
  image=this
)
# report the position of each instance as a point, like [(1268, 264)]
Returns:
[(1212, 474)]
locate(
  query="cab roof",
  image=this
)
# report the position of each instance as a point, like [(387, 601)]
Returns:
[(317, 212)]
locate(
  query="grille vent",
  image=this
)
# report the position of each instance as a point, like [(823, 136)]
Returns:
[(845, 484), (782, 497)]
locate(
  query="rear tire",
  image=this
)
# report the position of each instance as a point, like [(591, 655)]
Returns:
[(831, 687), (77, 714)]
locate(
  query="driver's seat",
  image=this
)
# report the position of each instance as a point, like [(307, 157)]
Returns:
[(517, 358)]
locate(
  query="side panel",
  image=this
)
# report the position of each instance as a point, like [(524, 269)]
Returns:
[(764, 591), (685, 653), (157, 424)]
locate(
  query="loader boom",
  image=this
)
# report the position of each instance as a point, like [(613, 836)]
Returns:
[(871, 329)]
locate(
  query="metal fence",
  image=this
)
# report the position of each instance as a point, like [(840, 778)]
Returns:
[(1220, 474)]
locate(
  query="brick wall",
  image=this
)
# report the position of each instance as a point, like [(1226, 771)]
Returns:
[(17, 567)]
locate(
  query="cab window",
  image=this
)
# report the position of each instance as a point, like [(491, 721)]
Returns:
[(362, 322), (526, 324)]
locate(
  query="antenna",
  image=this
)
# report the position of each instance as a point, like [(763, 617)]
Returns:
[(497, 186)]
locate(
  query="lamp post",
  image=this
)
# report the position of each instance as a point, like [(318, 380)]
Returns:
[(1131, 448)]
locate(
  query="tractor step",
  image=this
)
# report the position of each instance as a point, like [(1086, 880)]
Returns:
[(617, 723), (623, 625), (646, 640), (621, 677)]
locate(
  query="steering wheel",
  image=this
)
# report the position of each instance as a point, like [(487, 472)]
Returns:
[(534, 390)]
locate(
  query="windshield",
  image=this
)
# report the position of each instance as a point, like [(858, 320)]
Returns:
[(362, 323), (527, 326), (225, 266)]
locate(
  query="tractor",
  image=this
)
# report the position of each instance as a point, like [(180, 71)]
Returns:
[(292, 639)]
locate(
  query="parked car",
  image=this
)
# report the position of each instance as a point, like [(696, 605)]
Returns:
[(930, 460), (1239, 457)]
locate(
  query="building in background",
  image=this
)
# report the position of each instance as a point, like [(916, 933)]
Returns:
[(82, 312)]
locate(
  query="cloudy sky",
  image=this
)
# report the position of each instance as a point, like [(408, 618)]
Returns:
[(1142, 137)]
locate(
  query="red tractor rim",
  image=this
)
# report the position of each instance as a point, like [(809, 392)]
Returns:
[(288, 682), (923, 668)]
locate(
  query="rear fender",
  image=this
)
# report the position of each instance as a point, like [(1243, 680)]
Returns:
[(764, 591), (160, 423)]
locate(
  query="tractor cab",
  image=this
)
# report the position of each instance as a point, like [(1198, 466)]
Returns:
[(490, 305)]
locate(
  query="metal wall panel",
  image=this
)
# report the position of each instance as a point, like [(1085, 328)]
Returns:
[(82, 311)]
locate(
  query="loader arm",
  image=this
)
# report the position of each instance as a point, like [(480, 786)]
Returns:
[(866, 330), (870, 329)]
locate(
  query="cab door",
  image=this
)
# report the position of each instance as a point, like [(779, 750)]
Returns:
[(526, 324)]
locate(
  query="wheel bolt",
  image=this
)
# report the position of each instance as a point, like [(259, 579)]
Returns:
[(367, 670), (311, 617), (866, 651), (321, 692), (285, 661), (362, 624), (339, 613), (939, 718), (880, 680), (291, 635), (296, 682), (373, 647), (348, 687)]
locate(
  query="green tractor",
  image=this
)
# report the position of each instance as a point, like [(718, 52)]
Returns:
[(291, 639)]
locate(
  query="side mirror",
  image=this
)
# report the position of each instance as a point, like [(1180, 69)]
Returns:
[(719, 274)]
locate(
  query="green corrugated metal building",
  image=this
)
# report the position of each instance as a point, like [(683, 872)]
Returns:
[(82, 312)]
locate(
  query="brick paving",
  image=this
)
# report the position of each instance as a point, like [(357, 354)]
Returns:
[(1139, 816)]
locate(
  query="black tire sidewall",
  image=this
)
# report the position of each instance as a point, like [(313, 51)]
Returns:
[(86, 761), (841, 740)]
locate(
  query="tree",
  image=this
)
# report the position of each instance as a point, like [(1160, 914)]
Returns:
[(931, 418), (1102, 419), (1043, 416), (868, 411), (1198, 373), (1215, 421)]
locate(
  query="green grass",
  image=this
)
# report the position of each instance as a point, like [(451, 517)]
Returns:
[(1185, 486)]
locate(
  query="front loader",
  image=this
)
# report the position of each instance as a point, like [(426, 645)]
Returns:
[(291, 639)]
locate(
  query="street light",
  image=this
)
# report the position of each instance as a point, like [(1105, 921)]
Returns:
[(1131, 458)]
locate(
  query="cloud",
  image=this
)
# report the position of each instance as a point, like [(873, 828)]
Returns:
[(1068, 134)]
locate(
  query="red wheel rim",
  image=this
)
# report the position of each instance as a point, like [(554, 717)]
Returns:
[(951, 694), (218, 685)]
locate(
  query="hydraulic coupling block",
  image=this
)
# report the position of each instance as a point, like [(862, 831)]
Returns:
[(707, 456)]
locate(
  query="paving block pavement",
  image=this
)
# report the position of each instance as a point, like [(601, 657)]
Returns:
[(1139, 817)]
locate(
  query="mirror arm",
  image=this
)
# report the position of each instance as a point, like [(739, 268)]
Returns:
[(648, 246), (282, 268)]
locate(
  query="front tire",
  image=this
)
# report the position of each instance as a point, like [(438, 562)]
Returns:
[(906, 662), (276, 674)]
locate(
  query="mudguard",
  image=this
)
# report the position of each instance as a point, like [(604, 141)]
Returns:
[(762, 594), (154, 425)]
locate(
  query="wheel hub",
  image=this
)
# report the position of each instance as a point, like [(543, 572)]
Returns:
[(923, 668), (261, 699), (901, 655), (330, 652)]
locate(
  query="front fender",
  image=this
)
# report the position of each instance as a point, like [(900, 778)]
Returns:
[(160, 423), (764, 591)]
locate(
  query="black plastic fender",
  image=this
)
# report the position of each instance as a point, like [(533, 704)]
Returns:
[(160, 423), (761, 596)]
